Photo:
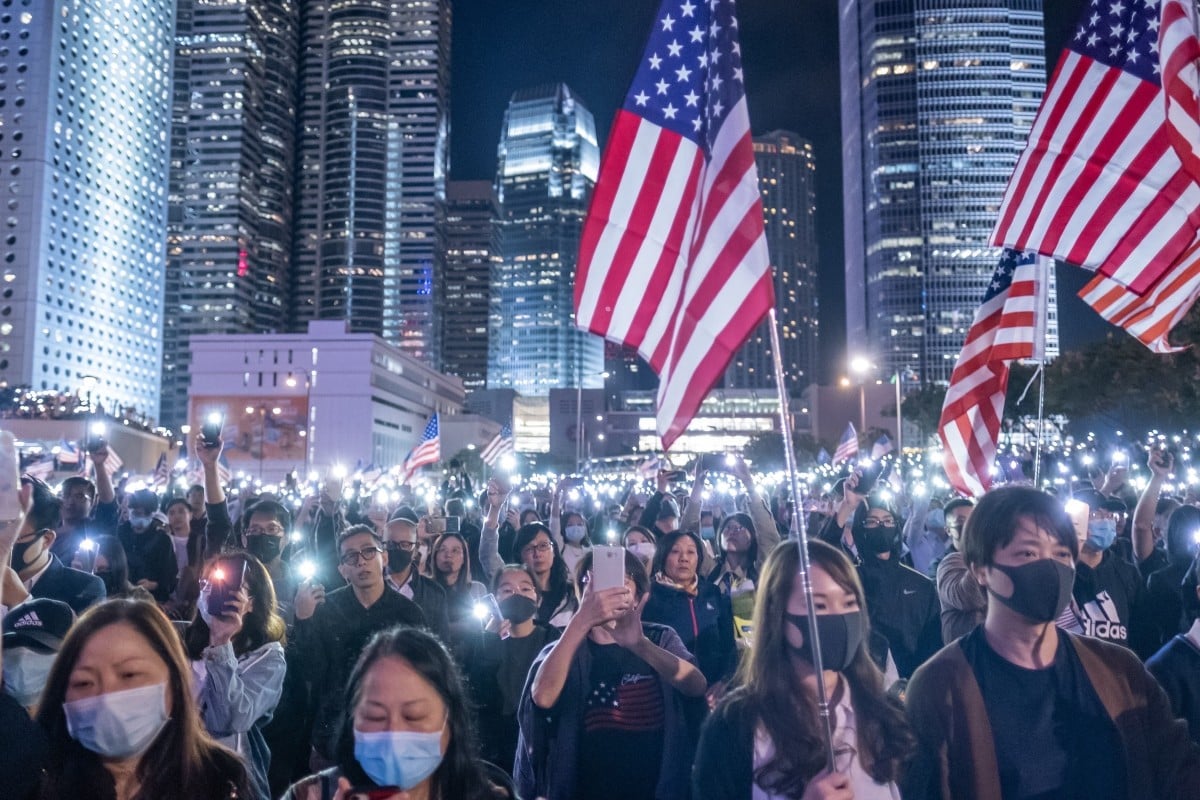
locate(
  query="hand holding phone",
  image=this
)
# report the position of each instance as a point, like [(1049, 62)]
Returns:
[(224, 583)]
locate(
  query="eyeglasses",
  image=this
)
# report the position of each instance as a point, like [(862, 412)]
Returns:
[(733, 528), (537, 548), (352, 558), (871, 522), (269, 530), (408, 546)]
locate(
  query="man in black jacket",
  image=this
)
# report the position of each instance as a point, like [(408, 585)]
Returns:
[(330, 632), (148, 547), (400, 541), (43, 574)]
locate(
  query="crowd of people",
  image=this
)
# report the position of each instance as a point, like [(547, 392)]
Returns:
[(461, 644)]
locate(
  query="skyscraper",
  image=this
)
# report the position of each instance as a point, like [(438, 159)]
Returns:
[(84, 119), (465, 275), (787, 178), (374, 129), (937, 101), (229, 235), (547, 164)]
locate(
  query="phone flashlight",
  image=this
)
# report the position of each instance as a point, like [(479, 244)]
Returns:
[(307, 569), (479, 611)]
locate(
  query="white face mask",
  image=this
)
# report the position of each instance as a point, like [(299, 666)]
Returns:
[(118, 724), (575, 533), (25, 673), (643, 550)]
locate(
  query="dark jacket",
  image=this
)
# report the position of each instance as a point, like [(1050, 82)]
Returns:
[(77, 589), (1177, 668), (903, 606), (704, 624), (103, 522), (324, 648), (548, 745), (1164, 600), (431, 599), (956, 755), (151, 557)]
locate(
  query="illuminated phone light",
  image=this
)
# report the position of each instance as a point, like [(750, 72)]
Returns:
[(480, 611), (307, 569), (218, 574), (294, 537), (87, 545)]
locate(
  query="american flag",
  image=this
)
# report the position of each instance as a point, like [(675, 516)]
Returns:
[(1108, 179), (429, 451), (633, 704), (883, 445), (1005, 328), (162, 473), (500, 446), (848, 447), (673, 258), (113, 463)]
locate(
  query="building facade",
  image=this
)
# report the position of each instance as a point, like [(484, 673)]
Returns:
[(465, 276), (547, 164), (85, 98), (373, 142), (787, 173), (938, 99), (232, 137)]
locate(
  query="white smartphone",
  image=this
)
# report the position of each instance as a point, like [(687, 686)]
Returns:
[(10, 477), (608, 566)]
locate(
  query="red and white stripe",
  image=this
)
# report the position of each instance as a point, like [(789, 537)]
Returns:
[(673, 259)]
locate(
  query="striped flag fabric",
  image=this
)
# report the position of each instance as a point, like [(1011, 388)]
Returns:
[(673, 257), (68, 453), (1004, 329), (500, 446), (162, 473), (429, 451), (848, 447), (883, 445)]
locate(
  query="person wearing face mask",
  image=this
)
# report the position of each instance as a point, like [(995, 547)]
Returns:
[(407, 730), (105, 559), (763, 739), (751, 538), (40, 572), (1108, 599), (499, 665), (961, 597), (400, 541), (1020, 708), (641, 542), (120, 717), (148, 547), (33, 635)]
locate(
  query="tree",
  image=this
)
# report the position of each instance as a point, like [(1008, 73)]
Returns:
[(922, 407), (765, 451)]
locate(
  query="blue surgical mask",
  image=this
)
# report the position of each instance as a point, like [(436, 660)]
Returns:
[(1102, 533), (708, 532), (575, 533), (398, 758), (25, 673), (138, 522), (118, 724)]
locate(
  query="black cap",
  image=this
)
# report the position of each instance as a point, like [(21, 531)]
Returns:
[(405, 514), (42, 624), (1099, 502)]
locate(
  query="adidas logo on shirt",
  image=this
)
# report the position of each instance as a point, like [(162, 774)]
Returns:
[(30, 620)]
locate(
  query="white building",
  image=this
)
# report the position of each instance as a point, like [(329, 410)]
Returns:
[(312, 401)]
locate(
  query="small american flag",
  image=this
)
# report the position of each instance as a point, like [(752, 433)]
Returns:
[(1108, 179), (1005, 329), (429, 451), (673, 258), (500, 446), (848, 447), (162, 473)]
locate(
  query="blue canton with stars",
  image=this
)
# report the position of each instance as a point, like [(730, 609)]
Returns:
[(1002, 277), (1121, 34), (691, 73)]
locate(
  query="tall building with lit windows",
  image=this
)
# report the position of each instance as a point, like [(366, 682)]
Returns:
[(373, 146), (787, 175), (547, 164), (938, 97), (463, 289), (232, 151), (85, 116)]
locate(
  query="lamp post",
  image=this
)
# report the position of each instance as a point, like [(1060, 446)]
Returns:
[(860, 366), (579, 448)]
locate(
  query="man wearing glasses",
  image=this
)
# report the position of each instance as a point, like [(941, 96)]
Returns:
[(404, 573), (331, 630)]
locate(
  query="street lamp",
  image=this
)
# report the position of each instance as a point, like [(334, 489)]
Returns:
[(861, 366), (579, 447)]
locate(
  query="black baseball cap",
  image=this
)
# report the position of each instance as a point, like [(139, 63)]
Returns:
[(404, 514), (1099, 502), (40, 624)]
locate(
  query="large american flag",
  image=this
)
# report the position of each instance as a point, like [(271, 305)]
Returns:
[(673, 259), (1108, 179), (429, 451), (500, 445), (1006, 327)]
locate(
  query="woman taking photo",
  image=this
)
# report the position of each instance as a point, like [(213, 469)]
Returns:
[(407, 728), (764, 739), (105, 558), (237, 658), (120, 718)]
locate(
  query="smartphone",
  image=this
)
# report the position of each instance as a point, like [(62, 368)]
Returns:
[(608, 566), (224, 582), (93, 442), (677, 475), (868, 478), (373, 792), (487, 610), (453, 524), (436, 525), (10, 477), (573, 482), (210, 431), (714, 462)]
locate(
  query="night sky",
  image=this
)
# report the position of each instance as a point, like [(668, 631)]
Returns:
[(790, 55)]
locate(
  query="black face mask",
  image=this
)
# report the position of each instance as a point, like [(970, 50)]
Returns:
[(875, 540), (110, 583), (263, 547), (517, 608), (398, 558), (19, 550), (841, 636), (1041, 589)]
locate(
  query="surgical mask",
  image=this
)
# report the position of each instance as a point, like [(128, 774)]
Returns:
[(25, 673), (118, 724), (575, 533), (1101, 533), (708, 532), (399, 559), (841, 635), (518, 608), (138, 522), (643, 550), (263, 547), (1041, 589), (875, 540), (398, 758)]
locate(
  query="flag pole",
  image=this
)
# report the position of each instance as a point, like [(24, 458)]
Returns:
[(1037, 452), (800, 534)]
